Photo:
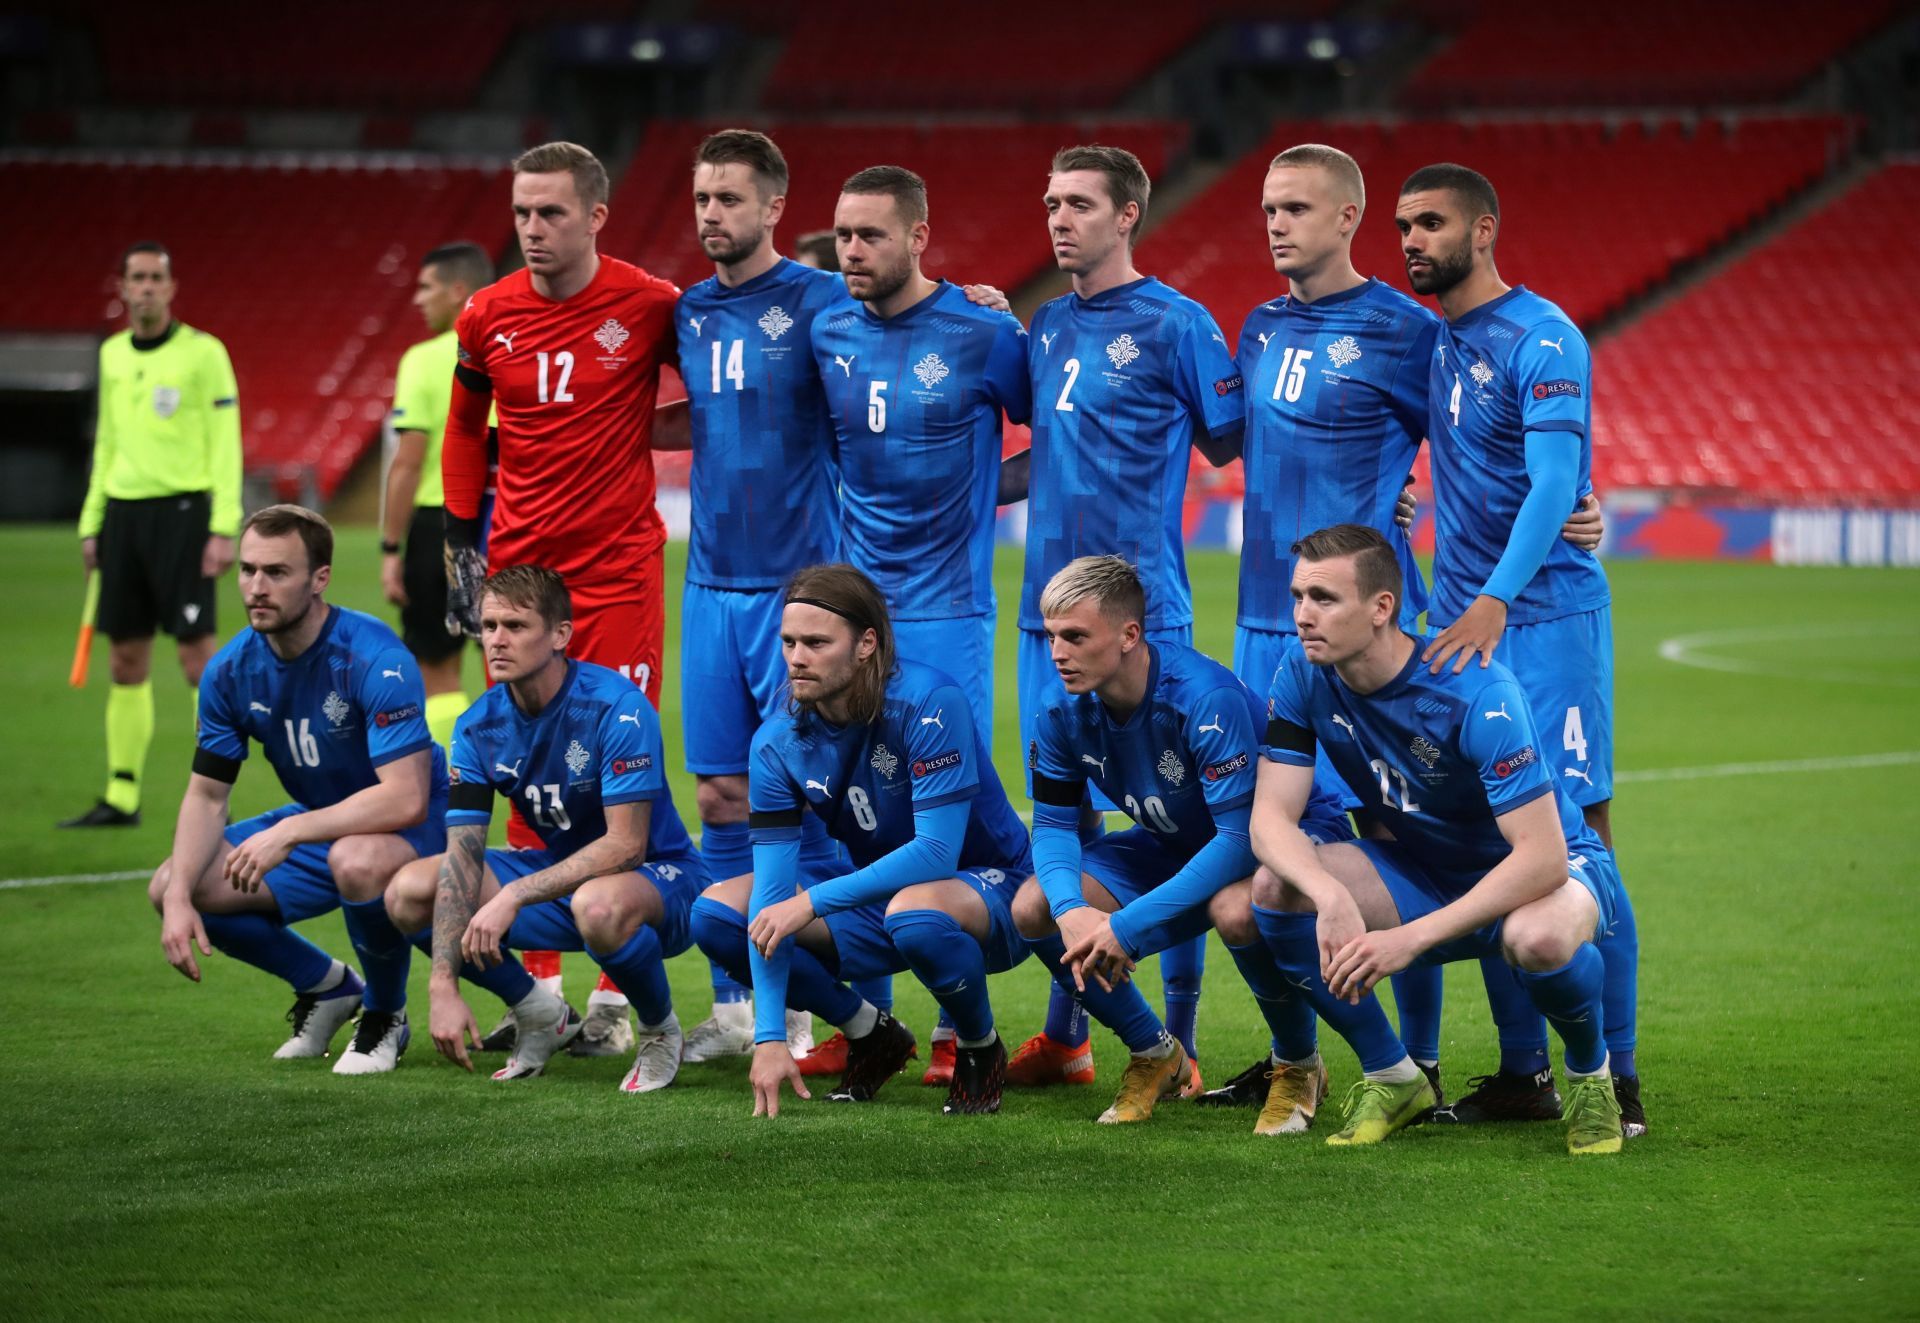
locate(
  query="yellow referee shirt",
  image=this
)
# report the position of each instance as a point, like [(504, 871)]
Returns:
[(169, 423), (422, 390)]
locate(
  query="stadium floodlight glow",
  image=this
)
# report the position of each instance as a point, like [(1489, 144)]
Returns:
[(1323, 48), (646, 49)]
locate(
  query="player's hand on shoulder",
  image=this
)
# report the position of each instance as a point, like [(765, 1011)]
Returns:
[(986, 296), (180, 929), (1586, 526), (1478, 630), (451, 1022), (1406, 505), (773, 1065)]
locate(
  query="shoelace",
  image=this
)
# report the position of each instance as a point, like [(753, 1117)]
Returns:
[(374, 1026), (1358, 1095), (301, 1011)]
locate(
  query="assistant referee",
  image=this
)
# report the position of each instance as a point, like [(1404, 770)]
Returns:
[(162, 509), (413, 531)]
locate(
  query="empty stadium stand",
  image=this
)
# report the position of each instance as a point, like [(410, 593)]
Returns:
[(304, 270), (1633, 52), (1788, 376)]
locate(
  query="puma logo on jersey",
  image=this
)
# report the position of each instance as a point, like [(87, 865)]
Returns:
[(1554, 345), (1046, 342), (1575, 771), (934, 720), (1500, 712), (634, 717), (501, 338), (1262, 337), (1214, 726), (845, 364), (510, 771), (259, 707), (1341, 721), (1092, 761), (398, 675), (694, 322), (821, 786)]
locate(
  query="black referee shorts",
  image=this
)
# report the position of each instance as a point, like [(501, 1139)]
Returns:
[(150, 569), (423, 620)]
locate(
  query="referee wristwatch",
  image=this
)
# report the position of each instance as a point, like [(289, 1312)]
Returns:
[(389, 548)]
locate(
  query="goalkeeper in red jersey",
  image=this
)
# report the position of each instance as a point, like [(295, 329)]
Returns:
[(568, 354)]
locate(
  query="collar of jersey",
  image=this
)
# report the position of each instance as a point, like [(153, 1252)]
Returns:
[(313, 648), (902, 318), (1489, 307), (1113, 295), (1146, 700), (559, 696), (148, 346), (1326, 301)]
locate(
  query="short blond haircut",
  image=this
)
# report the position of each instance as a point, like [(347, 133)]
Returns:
[(1318, 156), (552, 158), (1108, 581)]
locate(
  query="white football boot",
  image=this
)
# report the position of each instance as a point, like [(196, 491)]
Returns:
[(377, 1044), (607, 1032), (799, 1033), (317, 1016), (546, 1024), (728, 1032), (658, 1058)]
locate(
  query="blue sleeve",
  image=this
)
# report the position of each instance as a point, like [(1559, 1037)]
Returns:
[(942, 749), (1009, 384), (1552, 372), (467, 766), (217, 731), (1206, 379), (1056, 858), (1553, 468), (1220, 732), (932, 854), (1497, 737), (631, 757), (1407, 393), (776, 865), (1288, 709), (395, 703), (1146, 925)]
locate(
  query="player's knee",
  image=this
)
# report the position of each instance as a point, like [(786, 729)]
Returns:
[(1233, 918), (1537, 944), (361, 869), (1032, 916), (731, 894), (720, 931), (1271, 892), (410, 894), (721, 799), (607, 918)]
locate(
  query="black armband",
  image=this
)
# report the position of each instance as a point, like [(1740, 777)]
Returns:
[(1058, 794), (472, 378), (215, 768), (468, 798), (773, 820), (1284, 734)]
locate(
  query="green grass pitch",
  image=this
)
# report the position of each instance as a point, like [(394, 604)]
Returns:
[(158, 1165)]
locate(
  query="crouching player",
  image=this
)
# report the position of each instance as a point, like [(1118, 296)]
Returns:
[(1487, 854), (1169, 735), (884, 752), (575, 748), (337, 706)]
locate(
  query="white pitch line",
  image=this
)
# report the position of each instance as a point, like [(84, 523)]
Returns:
[(1784, 766), (1702, 651), (72, 879), (1781, 767)]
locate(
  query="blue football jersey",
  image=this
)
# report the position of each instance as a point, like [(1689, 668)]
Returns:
[(763, 502), (1186, 753), (597, 743), (1436, 757), (1336, 407), (1512, 366), (864, 782), (916, 401), (1121, 382), (351, 703)]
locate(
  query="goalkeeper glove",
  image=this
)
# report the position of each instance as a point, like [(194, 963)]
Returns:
[(466, 575)]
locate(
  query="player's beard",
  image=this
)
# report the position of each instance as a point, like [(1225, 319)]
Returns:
[(1445, 270), (282, 622), (734, 251), (884, 283)]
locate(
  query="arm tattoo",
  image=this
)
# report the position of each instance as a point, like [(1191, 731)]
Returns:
[(458, 895), (623, 847)]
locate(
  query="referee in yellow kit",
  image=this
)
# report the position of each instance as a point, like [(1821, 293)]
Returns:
[(414, 523), (162, 509)]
